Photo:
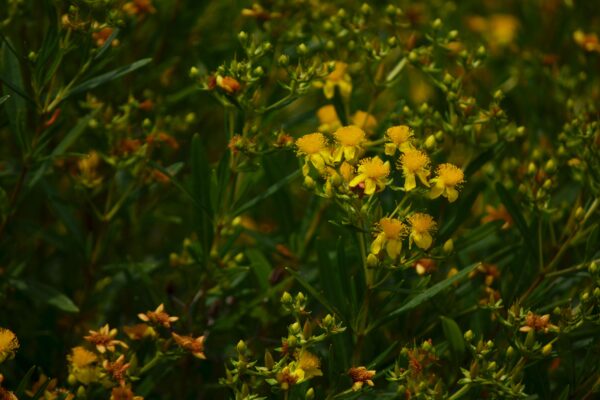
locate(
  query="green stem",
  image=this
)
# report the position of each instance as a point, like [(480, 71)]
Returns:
[(461, 392)]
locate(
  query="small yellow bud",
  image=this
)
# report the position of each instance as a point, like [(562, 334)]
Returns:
[(194, 72), (547, 350), (579, 213), (241, 347), (430, 142), (286, 298), (310, 394), (468, 335), (372, 260), (437, 24), (448, 246), (295, 328), (302, 49)]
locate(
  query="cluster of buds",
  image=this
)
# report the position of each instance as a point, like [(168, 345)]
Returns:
[(298, 363), (416, 373)]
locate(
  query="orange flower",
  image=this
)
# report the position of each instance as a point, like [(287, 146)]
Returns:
[(194, 346), (104, 339), (158, 317), (228, 84), (124, 393), (139, 7)]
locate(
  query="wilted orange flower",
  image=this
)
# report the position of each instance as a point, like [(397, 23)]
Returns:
[(360, 376), (104, 339), (228, 84), (117, 369), (193, 345), (5, 394), (538, 323), (158, 317)]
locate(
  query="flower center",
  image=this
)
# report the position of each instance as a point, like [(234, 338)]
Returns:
[(311, 143), (392, 228), (421, 223), (399, 134), (374, 168), (349, 135), (450, 174), (414, 160)]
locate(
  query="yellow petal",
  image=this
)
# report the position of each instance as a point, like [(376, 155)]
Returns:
[(409, 182), (423, 240), (393, 248), (390, 149), (451, 194), (436, 190), (377, 243), (370, 186)]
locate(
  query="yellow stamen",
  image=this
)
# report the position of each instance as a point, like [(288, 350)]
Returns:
[(312, 143)]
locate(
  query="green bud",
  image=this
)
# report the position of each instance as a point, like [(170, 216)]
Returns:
[(292, 341), (286, 298), (365, 9), (437, 24), (330, 45), (302, 49), (579, 213), (597, 293), (468, 335), (269, 362), (241, 347), (481, 52), (593, 268), (146, 123), (531, 168), (413, 56), (372, 260), (550, 165), (283, 60), (307, 330), (510, 352), (439, 136), (259, 71), (492, 366), (453, 34), (242, 36), (295, 328)]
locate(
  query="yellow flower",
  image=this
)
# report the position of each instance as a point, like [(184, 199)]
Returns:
[(449, 176), (365, 121), (9, 343), (372, 173), (328, 119), (307, 366), (104, 339), (421, 226), (350, 139), (83, 368), (391, 233), (193, 345), (360, 376), (88, 170), (314, 148), (399, 138), (414, 163), (339, 78)]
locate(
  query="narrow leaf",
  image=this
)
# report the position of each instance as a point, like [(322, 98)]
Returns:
[(270, 191)]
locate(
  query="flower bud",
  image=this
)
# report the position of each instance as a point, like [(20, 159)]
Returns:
[(579, 213), (194, 72), (430, 142), (468, 335), (593, 268), (448, 246), (283, 60), (241, 347), (302, 49), (242, 36), (286, 298), (310, 394), (547, 350), (269, 362), (437, 24), (372, 260)]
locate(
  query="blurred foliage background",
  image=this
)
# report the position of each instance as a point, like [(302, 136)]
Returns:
[(147, 157)]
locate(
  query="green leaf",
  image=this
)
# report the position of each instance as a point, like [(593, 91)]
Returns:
[(107, 77), (455, 338), (201, 190), (4, 98), (261, 267), (46, 294), (515, 213), (70, 138), (424, 296), (24, 383), (16, 110), (270, 191)]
